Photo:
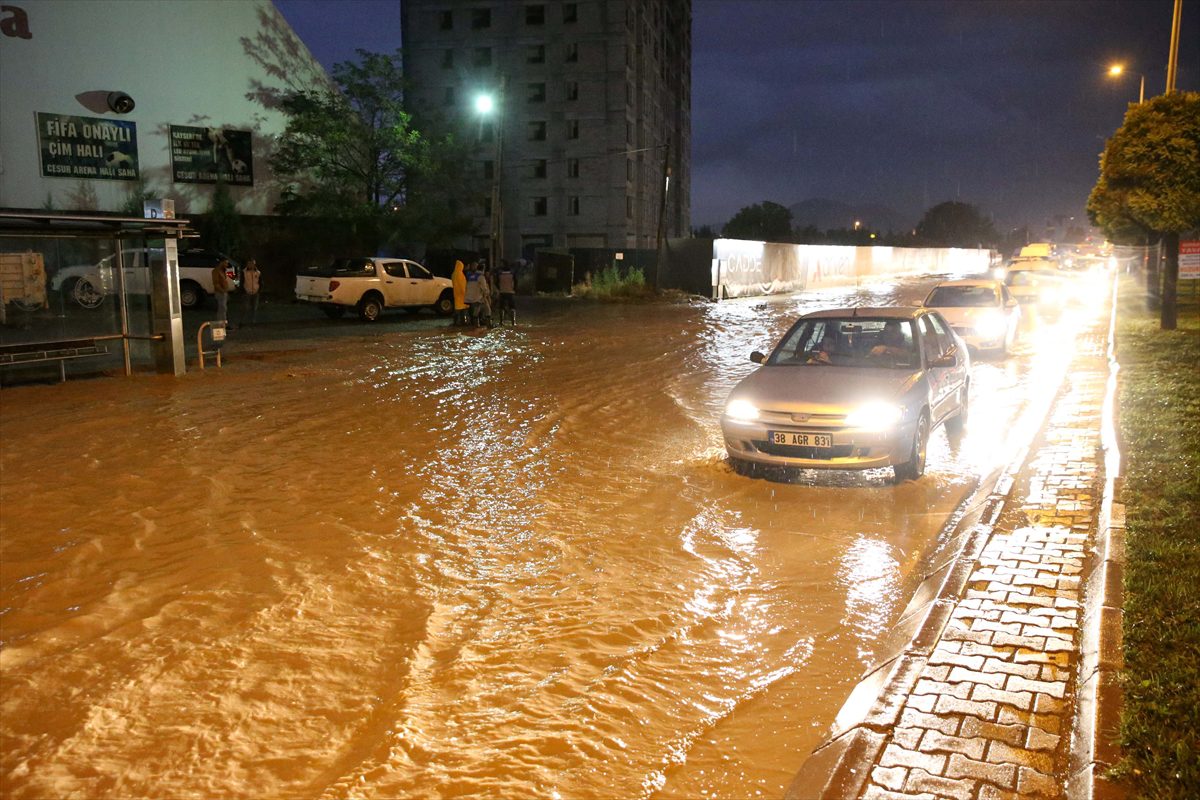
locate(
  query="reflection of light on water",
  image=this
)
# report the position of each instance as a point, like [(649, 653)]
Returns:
[(1047, 342), (872, 578)]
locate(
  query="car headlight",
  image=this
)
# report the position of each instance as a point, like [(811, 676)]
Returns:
[(741, 410), (1000, 273), (991, 325), (876, 416)]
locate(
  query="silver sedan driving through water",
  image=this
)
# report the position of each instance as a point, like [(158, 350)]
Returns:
[(851, 389)]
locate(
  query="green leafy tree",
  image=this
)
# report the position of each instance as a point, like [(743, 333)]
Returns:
[(955, 224), (353, 156), (763, 222), (221, 227), (1149, 182)]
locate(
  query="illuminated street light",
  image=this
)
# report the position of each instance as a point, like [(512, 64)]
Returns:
[(487, 105), (1117, 70)]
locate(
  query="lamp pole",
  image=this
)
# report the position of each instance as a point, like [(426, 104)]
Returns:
[(493, 105)]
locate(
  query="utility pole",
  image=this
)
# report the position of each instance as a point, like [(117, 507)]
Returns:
[(1173, 58)]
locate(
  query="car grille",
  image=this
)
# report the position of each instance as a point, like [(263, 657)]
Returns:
[(789, 451)]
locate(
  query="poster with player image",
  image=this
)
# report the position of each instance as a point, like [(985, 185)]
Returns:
[(87, 147), (208, 155)]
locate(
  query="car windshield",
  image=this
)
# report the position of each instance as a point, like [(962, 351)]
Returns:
[(1021, 278), (344, 268), (961, 297), (848, 342)]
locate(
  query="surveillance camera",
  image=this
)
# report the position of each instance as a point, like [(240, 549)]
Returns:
[(120, 102)]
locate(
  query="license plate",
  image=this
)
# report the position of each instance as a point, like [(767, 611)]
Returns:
[(801, 439)]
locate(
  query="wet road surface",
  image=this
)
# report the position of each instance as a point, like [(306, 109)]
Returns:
[(407, 561)]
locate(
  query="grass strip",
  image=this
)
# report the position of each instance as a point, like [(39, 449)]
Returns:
[(1160, 426)]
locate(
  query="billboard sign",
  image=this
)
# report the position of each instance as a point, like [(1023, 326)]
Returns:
[(209, 155), (87, 147), (1189, 261)]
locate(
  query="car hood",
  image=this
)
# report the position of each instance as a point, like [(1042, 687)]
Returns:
[(823, 390), (966, 315)]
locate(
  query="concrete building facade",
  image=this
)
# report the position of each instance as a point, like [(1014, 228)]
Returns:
[(108, 99), (592, 105)]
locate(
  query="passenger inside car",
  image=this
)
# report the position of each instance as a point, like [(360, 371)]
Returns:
[(894, 344)]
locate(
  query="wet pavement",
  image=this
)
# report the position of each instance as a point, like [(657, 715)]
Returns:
[(409, 560), (988, 699)]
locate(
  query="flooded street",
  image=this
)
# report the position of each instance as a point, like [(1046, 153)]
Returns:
[(405, 561)]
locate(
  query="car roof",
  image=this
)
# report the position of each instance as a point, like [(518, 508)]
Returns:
[(874, 312), (990, 283)]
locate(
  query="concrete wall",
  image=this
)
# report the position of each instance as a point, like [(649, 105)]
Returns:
[(743, 268), (202, 63)]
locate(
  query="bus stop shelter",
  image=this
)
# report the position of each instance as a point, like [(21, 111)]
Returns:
[(90, 292)]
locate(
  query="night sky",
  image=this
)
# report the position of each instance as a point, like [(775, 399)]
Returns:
[(1003, 104)]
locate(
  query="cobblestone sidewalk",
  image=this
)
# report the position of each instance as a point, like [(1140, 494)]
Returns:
[(985, 711)]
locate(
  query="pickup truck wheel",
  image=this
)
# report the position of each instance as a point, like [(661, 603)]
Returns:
[(445, 304), (85, 294), (334, 312), (370, 307), (190, 294)]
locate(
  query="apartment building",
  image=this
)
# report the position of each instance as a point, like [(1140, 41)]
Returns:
[(590, 117)]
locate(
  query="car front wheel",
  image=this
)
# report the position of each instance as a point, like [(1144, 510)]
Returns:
[(914, 468), (445, 304), (956, 423)]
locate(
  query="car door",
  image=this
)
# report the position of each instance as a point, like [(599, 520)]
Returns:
[(935, 376), (952, 378), (424, 288), (137, 274), (1012, 311), (396, 290)]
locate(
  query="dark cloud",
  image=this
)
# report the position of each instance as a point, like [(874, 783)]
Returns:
[(1002, 103)]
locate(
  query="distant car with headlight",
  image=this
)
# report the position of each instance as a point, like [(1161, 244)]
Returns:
[(851, 389), (1038, 284), (982, 312)]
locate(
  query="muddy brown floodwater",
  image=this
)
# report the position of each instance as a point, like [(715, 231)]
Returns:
[(407, 562)]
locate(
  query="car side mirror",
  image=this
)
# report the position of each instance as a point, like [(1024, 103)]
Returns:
[(757, 357), (946, 360)]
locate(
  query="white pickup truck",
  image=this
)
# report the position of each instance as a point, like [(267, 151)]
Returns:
[(370, 285)]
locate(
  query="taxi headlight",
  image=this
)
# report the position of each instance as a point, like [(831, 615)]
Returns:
[(991, 325), (1000, 273), (741, 410), (875, 416)]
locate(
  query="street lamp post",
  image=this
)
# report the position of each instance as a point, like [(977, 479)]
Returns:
[(487, 105), (1116, 70)]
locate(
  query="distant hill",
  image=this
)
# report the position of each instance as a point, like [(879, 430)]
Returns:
[(823, 214)]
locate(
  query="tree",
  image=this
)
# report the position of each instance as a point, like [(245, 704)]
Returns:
[(762, 222), (955, 224), (352, 155), (1150, 181), (222, 226)]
